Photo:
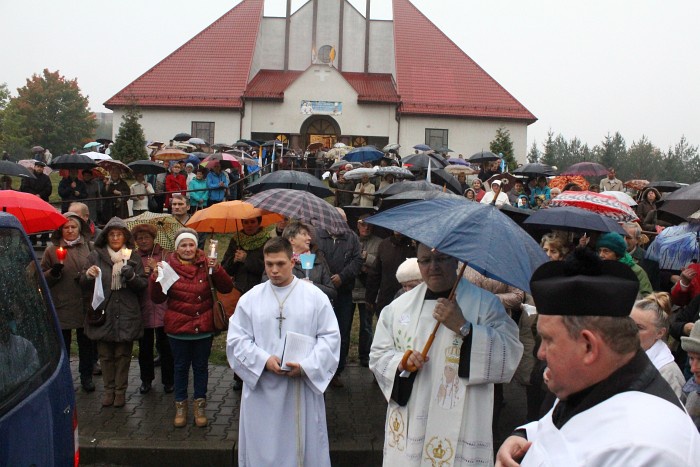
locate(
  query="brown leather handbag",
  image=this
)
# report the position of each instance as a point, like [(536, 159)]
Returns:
[(224, 304)]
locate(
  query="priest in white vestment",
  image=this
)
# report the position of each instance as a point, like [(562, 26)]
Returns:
[(441, 414), (283, 414)]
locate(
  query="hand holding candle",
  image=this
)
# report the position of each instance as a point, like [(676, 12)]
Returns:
[(61, 254), (126, 254)]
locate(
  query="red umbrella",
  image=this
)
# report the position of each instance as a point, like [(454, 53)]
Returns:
[(227, 161), (596, 202), (35, 214)]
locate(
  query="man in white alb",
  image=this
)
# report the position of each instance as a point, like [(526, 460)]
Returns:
[(283, 414)]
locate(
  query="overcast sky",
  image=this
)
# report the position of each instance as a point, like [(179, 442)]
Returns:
[(583, 68)]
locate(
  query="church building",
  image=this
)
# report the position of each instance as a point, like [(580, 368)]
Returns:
[(325, 73)]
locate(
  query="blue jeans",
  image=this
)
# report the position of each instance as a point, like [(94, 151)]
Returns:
[(344, 310), (194, 353)]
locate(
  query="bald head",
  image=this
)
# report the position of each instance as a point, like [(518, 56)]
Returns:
[(80, 209)]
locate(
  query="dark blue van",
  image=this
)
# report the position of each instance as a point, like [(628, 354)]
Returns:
[(38, 421)]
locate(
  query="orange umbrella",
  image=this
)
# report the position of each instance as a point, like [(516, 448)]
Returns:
[(226, 217), (561, 181), (170, 154)]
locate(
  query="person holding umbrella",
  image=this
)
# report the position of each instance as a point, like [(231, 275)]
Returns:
[(70, 189), (495, 197), (40, 186), (118, 191)]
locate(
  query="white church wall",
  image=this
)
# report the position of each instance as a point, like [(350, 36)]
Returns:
[(381, 47), (353, 40), (300, 38), (269, 50)]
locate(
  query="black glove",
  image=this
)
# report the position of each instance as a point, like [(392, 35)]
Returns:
[(128, 272), (56, 270)]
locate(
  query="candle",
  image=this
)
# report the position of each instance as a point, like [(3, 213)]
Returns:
[(61, 254), (126, 254), (212, 251)]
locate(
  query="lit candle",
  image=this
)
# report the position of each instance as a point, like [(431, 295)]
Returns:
[(126, 254), (212, 251), (61, 254)]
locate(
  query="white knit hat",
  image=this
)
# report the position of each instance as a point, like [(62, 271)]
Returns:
[(408, 271)]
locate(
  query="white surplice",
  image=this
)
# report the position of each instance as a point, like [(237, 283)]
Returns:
[(283, 420), (447, 420)]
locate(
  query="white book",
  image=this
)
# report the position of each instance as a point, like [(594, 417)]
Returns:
[(296, 348)]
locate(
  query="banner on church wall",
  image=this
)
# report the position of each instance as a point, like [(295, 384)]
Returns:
[(321, 108)]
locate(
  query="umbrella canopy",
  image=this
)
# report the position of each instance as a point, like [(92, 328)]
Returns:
[(166, 225), (226, 147), (446, 180), (622, 197), (342, 163), (418, 162), (457, 161), (115, 165), (197, 142), (422, 147), (667, 186), (535, 170), (518, 215), (35, 214), (147, 167), (460, 169), (227, 161), (199, 154), (182, 137), (638, 185), (303, 206), (38, 149), (170, 154), (560, 181), (104, 141), (314, 146), (97, 156), (596, 202), (398, 172), (337, 153), (184, 146), (357, 174), (507, 181), (364, 154), (15, 170), (242, 157), (226, 217), (483, 156), (93, 144), (682, 202), (475, 233), (444, 150), (290, 179), (391, 147), (73, 161), (414, 195), (29, 163), (586, 169), (573, 219), (675, 247), (396, 188), (237, 144)]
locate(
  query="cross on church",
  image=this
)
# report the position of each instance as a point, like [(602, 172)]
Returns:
[(322, 74)]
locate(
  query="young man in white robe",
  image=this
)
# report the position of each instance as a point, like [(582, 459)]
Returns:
[(441, 414), (614, 408), (283, 414)]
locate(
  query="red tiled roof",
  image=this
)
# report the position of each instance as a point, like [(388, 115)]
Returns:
[(370, 87), (435, 77), (209, 71)]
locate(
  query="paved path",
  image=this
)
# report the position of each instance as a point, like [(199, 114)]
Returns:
[(141, 432)]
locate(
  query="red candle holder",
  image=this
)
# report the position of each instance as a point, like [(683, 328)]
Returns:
[(61, 254)]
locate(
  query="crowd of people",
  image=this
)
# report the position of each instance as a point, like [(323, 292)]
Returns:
[(599, 333)]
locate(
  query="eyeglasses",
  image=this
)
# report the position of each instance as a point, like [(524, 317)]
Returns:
[(115, 234), (437, 260)]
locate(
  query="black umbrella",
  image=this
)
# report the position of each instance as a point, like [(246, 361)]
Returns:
[(342, 163), (411, 196), (290, 179), (221, 147), (104, 141), (518, 215), (182, 137), (147, 167), (535, 170), (73, 161), (483, 156), (667, 186), (272, 142), (401, 187), (443, 178), (573, 219), (418, 162), (241, 144), (682, 202), (13, 169)]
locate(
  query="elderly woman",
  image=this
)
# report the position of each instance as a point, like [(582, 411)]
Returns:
[(188, 320), (152, 313), (651, 317), (496, 195), (611, 246), (470, 194), (123, 280), (364, 193), (555, 246), (299, 235), (73, 238), (479, 192)]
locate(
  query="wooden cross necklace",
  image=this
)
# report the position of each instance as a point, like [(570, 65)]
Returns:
[(281, 317)]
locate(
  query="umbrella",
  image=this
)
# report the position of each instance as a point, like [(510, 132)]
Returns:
[(184, 146), (147, 167), (192, 159), (418, 162), (303, 206), (73, 161), (115, 165), (104, 141), (15, 170), (93, 144), (413, 195), (621, 197), (35, 214), (244, 158), (586, 169), (169, 154), (392, 147), (422, 147), (226, 160), (507, 181), (223, 146), (596, 202), (396, 188), (397, 172), (518, 215), (166, 224), (460, 169), (97, 156), (573, 219), (237, 144), (444, 150), (29, 163), (290, 179), (364, 154), (155, 145), (357, 174), (337, 153), (182, 137), (314, 146), (667, 186), (675, 247), (225, 217), (342, 163), (38, 149), (444, 179), (475, 233), (483, 156), (200, 155), (682, 202), (535, 170), (341, 145), (457, 161), (638, 185), (272, 142), (560, 181), (197, 141)]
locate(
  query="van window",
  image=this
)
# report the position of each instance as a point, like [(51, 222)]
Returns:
[(30, 347)]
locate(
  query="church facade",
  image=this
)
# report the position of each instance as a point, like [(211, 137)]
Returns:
[(325, 73)]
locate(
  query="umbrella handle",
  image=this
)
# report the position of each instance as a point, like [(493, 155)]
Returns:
[(431, 338)]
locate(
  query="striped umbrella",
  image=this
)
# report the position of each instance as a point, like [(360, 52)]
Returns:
[(596, 202), (675, 247)]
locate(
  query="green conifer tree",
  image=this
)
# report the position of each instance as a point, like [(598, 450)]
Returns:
[(130, 144)]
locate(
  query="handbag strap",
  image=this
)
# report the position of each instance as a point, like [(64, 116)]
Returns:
[(214, 297)]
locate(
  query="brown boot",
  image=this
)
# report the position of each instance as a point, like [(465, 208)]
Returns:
[(180, 414), (119, 400), (200, 417), (107, 399)]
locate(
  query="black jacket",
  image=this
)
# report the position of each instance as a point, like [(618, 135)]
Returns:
[(343, 255), (381, 278), (41, 185)]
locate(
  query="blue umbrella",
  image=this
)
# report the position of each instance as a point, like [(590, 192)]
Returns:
[(422, 147), (675, 247), (364, 154), (573, 219), (193, 159), (457, 161), (475, 233), (93, 144)]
